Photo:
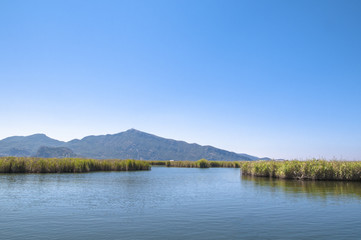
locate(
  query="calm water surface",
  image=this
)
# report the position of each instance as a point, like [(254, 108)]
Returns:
[(176, 203)]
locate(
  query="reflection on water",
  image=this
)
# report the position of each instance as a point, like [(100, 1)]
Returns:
[(323, 189), (177, 204)]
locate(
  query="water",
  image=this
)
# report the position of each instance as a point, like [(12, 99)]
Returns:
[(175, 203)]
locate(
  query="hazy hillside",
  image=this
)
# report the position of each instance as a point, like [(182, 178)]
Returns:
[(26, 146), (55, 152), (129, 144)]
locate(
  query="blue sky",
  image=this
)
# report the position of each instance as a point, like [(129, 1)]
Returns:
[(268, 78)]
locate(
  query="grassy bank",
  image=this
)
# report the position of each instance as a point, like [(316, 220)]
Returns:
[(203, 163), (67, 165), (312, 169)]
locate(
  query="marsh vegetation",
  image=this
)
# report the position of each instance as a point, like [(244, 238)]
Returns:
[(303, 170), (67, 165), (308, 170), (202, 163), (80, 165)]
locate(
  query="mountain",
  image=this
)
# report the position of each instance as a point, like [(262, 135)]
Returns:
[(141, 145), (129, 144), (26, 146), (55, 152)]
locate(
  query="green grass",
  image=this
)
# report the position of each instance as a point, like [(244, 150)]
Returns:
[(202, 163), (306, 170), (67, 165)]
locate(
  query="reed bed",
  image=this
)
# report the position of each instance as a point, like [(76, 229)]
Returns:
[(67, 165), (306, 170), (202, 163)]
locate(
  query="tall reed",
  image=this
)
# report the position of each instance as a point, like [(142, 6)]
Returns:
[(312, 169), (202, 163), (67, 165)]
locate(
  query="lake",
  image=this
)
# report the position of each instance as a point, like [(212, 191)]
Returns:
[(176, 203)]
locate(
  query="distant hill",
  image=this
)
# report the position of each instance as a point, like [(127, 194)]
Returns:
[(129, 144), (55, 152), (26, 146)]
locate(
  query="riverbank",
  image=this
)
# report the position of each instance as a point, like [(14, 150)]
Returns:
[(304, 170), (202, 163), (80, 165), (67, 165)]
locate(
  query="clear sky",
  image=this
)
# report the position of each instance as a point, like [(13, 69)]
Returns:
[(269, 78)]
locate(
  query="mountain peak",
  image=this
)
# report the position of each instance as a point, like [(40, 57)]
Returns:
[(21, 138), (131, 144), (133, 130), (42, 135)]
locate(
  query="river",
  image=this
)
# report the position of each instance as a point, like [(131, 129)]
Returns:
[(176, 203)]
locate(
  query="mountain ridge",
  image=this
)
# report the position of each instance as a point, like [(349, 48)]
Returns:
[(54, 152), (132, 143)]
